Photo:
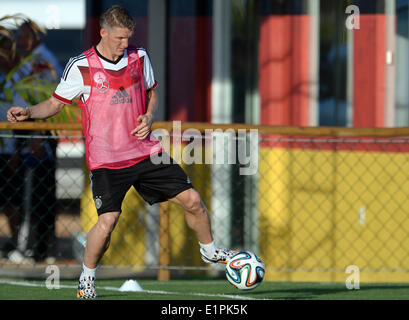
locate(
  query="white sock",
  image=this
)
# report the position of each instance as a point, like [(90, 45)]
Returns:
[(87, 272), (208, 249)]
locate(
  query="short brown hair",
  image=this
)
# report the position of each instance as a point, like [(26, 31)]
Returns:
[(117, 16)]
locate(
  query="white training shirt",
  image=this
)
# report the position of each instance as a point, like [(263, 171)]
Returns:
[(75, 80)]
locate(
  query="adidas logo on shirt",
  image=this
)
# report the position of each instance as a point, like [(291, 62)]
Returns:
[(120, 97)]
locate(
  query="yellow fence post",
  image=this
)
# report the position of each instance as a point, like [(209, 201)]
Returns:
[(164, 242)]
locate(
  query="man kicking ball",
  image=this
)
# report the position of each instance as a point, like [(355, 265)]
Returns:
[(116, 86)]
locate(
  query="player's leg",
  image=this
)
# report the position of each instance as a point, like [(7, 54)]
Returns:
[(162, 182), (196, 214), (108, 188), (198, 219), (98, 239)]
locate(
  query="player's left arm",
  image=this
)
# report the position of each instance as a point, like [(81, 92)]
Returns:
[(146, 120)]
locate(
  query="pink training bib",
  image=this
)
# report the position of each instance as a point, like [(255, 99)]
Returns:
[(110, 114)]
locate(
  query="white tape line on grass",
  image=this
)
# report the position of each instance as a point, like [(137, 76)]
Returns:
[(198, 294)]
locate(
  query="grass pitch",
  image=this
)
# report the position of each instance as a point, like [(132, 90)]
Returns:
[(203, 290)]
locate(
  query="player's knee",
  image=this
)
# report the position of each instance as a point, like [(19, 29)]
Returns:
[(193, 203), (107, 222)]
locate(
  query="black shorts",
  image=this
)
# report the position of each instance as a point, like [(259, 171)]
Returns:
[(154, 182)]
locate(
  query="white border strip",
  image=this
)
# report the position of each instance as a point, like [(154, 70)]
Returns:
[(198, 294)]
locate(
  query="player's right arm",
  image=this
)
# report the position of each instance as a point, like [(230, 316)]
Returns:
[(43, 110), (71, 86)]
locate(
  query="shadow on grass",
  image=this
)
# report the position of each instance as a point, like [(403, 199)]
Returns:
[(333, 291)]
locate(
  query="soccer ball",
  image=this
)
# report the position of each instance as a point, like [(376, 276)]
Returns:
[(245, 270)]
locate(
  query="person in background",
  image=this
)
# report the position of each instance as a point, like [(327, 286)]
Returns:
[(11, 177), (29, 41), (39, 155)]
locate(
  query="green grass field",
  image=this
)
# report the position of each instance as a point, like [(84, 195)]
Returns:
[(203, 290)]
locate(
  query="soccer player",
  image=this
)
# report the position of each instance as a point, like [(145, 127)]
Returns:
[(116, 86)]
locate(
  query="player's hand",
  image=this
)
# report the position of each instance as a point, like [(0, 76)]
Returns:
[(15, 114), (143, 129)]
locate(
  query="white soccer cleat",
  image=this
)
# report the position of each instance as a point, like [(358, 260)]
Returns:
[(220, 256), (86, 288)]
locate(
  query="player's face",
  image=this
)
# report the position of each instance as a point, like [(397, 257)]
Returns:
[(117, 40)]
